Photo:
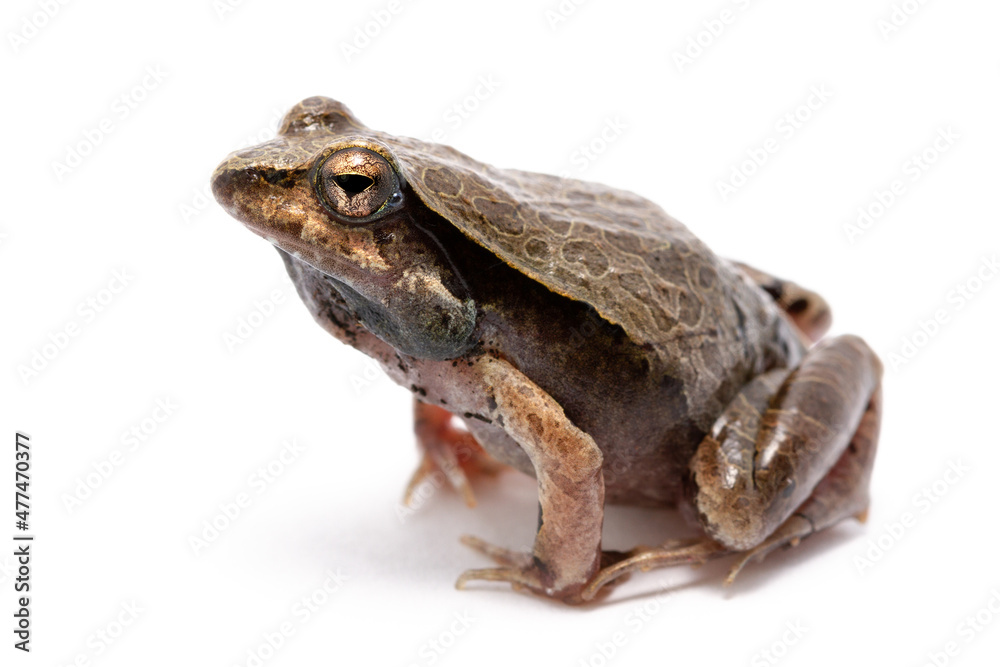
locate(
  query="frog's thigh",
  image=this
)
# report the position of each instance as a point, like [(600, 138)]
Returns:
[(842, 493), (807, 309), (567, 465), (768, 454)]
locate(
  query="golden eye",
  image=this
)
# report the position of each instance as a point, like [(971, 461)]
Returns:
[(357, 183)]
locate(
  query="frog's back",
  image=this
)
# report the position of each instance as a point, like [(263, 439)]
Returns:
[(701, 319)]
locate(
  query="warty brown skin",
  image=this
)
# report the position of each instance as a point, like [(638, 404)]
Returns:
[(584, 337)]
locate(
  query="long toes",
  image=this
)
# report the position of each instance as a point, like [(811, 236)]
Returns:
[(519, 578), (691, 552), (440, 462), (459, 481), (422, 472), (789, 533), (505, 557), (446, 460)]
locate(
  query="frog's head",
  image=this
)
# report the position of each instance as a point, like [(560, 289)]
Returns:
[(331, 193)]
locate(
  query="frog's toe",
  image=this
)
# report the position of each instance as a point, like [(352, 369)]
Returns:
[(502, 556), (439, 462), (518, 577), (795, 528), (455, 462), (451, 456), (516, 567), (617, 565)]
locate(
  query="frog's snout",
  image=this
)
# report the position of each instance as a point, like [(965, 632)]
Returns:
[(228, 186), (247, 193)]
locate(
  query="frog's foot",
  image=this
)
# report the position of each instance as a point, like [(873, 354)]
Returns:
[(839, 495), (793, 531), (699, 551), (451, 459), (617, 566), (450, 455), (521, 570), (516, 567)]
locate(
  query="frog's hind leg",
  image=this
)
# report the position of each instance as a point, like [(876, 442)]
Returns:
[(807, 309), (843, 493), (768, 453), (448, 452), (790, 456)]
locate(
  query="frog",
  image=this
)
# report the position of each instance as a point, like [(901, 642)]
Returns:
[(574, 332)]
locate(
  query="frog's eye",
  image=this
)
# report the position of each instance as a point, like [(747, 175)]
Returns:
[(357, 183)]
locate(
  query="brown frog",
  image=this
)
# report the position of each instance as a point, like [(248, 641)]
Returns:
[(581, 334)]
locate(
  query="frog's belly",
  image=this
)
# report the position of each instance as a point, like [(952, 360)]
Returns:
[(650, 478)]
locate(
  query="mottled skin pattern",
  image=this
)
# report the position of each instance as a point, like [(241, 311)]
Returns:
[(583, 335)]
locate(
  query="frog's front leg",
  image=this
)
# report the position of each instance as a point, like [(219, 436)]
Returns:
[(791, 455), (567, 463)]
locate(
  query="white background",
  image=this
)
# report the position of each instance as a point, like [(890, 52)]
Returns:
[(135, 202)]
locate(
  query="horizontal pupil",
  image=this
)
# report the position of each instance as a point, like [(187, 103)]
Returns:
[(353, 184)]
